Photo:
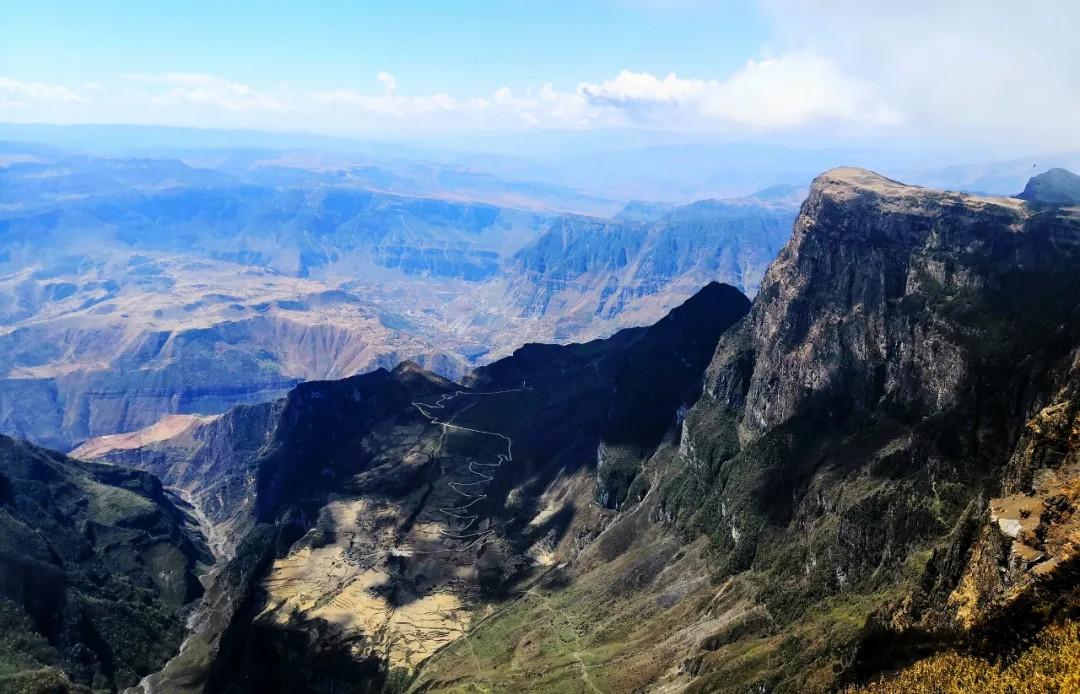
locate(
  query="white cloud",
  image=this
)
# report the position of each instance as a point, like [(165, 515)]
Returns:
[(199, 89), (641, 88), (986, 71), (543, 107), (991, 70), (18, 94), (793, 90), (388, 81), (783, 93), (387, 104), (790, 91)]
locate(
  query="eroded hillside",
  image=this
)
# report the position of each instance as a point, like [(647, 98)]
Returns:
[(382, 516), (872, 465), (98, 569), (136, 288)]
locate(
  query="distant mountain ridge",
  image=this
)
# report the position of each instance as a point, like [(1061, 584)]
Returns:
[(1054, 187), (874, 461), (132, 288), (584, 269), (167, 206)]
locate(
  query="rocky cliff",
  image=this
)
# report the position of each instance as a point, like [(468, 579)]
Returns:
[(879, 467), (585, 272), (870, 403), (378, 517), (872, 463), (98, 570)]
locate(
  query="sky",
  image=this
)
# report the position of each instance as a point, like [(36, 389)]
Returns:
[(993, 73)]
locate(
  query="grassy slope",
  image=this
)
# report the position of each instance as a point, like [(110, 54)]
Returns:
[(95, 569)]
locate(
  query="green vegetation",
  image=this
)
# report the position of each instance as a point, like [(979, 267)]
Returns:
[(114, 505), (96, 568), (41, 681), (21, 648)]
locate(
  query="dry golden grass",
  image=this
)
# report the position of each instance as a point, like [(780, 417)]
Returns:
[(1051, 666)]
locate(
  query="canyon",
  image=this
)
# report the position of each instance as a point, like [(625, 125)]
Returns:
[(133, 288), (871, 464)]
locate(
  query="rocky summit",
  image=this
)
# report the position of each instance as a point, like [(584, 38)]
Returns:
[(867, 477), (1054, 187)]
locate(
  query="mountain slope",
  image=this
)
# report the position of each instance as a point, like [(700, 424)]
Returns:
[(379, 516), (584, 273), (1054, 187), (874, 394), (824, 511), (97, 570), (875, 461)]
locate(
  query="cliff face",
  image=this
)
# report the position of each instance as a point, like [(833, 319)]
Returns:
[(212, 462), (879, 465), (585, 272), (875, 462), (98, 567), (853, 426), (867, 303)]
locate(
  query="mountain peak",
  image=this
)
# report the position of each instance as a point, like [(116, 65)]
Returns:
[(643, 211), (1053, 187), (857, 177), (861, 245), (846, 183), (411, 374)]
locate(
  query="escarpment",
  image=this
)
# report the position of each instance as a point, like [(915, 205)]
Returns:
[(873, 462), (868, 421), (99, 567)]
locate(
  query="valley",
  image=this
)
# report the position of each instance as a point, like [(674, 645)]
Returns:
[(131, 289), (658, 509), (633, 347)]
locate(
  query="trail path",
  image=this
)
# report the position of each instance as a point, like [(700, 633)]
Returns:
[(472, 491)]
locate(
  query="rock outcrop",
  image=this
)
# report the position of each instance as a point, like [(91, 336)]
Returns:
[(854, 425), (98, 570), (1054, 187), (874, 461)]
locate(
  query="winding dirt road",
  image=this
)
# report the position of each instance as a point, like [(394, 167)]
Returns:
[(472, 491)]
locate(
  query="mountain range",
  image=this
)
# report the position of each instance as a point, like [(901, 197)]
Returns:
[(869, 471), (132, 288)]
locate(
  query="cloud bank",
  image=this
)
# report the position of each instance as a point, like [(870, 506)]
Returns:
[(987, 69), (790, 91), (964, 70)]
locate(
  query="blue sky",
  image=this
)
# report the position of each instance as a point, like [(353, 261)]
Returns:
[(459, 47), (980, 72)]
